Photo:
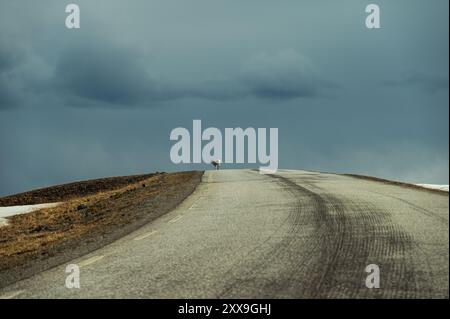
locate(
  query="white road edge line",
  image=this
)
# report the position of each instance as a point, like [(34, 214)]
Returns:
[(195, 202), (175, 219), (145, 235), (12, 294), (90, 261), (193, 205)]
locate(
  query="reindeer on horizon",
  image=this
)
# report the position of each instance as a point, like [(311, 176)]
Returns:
[(216, 163)]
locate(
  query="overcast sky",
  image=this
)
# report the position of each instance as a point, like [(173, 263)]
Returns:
[(102, 100)]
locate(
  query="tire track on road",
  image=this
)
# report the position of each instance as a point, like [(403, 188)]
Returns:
[(417, 208), (269, 254), (353, 234)]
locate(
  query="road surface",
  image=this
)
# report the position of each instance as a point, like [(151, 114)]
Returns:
[(295, 234)]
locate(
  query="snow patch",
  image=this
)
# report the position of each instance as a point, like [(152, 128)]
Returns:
[(9, 211), (434, 186)]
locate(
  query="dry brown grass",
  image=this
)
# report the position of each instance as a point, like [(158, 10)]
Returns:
[(72, 190)]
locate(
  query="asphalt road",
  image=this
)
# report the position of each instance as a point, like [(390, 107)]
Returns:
[(295, 234)]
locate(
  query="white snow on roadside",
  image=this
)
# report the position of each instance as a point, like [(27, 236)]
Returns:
[(17, 210), (434, 186)]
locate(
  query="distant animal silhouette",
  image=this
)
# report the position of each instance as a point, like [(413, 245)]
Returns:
[(216, 163)]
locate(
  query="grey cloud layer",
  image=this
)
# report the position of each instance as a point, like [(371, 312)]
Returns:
[(9, 59), (102, 100), (430, 83), (115, 76)]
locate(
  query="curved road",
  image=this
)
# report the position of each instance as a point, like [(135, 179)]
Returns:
[(295, 234)]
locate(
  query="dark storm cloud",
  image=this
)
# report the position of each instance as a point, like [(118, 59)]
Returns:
[(8, 96), (109, 75), (117, 76), (429, 83), (10, 58), (94, 71), (283, 75)]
